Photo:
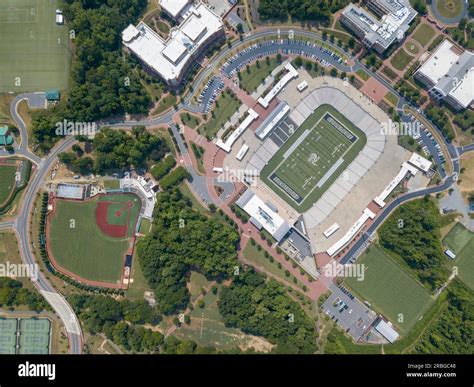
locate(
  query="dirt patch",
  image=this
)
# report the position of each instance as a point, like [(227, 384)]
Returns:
[(467, 178), (112, 230)]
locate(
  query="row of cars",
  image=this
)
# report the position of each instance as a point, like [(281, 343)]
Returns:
[(215, 85), (303, 52), (249, 58), (418, 137)]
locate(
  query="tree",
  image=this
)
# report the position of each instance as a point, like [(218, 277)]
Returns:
[(298, 61)]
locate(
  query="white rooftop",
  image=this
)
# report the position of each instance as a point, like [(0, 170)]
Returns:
[(169, 57), (439, 63), (420, 162), (387, 331), (463, 92), (174, 7)]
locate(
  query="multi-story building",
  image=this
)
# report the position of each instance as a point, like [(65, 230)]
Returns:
[(449, 75), (171, 58), (395, 18)]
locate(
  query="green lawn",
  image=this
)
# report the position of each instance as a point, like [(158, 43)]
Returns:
[(461, 241), (81, 247), (363, 74), (7, 177), (312, 159), (207, 328), (423, 34), (137, 288), (190, 120), (35, 54), (400, 60), (258, 258), (252, 78), (112, 184), (390, 289), (411, 48), (449, 8), (392, 98), (165, 104), (225, 107)]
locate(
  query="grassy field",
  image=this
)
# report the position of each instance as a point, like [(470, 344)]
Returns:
[(449, 9), (400, 60), (309, 162), (411, 48), (392, 98), (423, 34), (252, 78), (165, 104), (226, 106), (253, 255), (207, 327), (7, 177), (35, 54), (190, 120), (390, 289), (461, 241), (363, 74), (84, 249)]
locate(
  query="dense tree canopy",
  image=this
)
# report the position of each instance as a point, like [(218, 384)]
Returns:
[(312, 10), (453, 331), (413, 233), (12, 293), (103, 83), (182, 239), (264, 309)]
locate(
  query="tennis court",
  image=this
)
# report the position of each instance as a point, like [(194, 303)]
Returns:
[(309, 162), (35, 54), (34, 336), (8, 328)]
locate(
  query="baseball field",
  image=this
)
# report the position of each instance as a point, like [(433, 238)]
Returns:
[(35, 54), (88, 239), (314, 156)]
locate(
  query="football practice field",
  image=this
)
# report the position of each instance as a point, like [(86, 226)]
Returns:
[(309, 162), (390, 289), (34, 49)]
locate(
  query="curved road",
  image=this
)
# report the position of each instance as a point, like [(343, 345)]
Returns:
[(446, 20)]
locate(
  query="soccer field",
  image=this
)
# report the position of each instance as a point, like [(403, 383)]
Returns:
[(309, 162), (461, 241), (34, 49), (80, 246), (7, 177), (390, 289)]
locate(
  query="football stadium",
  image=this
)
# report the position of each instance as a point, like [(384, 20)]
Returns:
[(317, 163), (315, 155)]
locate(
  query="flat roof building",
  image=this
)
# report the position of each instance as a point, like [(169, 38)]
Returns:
[(386, 330), (174, 8), (449, 76), (395, 18), (263, 215), (171, 58)]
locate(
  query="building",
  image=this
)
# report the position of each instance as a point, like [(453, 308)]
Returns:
[(174, 8), (53, 95), (386, 330), (395, 18), (5, 136), (263, 215), (448, 74), (170, 59)]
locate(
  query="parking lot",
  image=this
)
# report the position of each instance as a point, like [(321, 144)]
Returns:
[(210, 92), (283, 46), (351, 314)]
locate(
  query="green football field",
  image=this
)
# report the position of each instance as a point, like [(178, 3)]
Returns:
[(34, 49), (461, 241), (7, 178), (83, 248), (390, 289), (312, 159)]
